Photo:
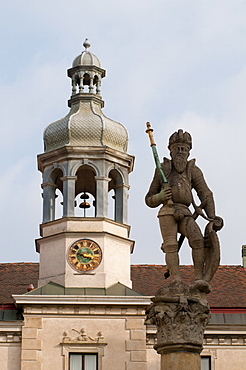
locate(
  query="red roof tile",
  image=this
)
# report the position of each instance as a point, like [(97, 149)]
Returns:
[(15, 279), (228, 285)]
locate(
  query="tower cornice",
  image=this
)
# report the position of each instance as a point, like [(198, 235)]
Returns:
[(85, 97), (76, 152)]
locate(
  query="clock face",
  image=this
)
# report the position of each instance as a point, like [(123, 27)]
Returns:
[(84, 255)]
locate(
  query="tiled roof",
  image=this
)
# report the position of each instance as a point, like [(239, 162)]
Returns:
[(228, 285), (15, 279)]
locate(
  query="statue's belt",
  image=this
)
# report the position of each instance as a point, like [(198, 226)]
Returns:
[(180, 208)]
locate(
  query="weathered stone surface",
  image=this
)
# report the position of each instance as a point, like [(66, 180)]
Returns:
[(137, 335), (33, 322), (31, 344), (180, 317), (29, 354), (180, 360), (136, 366), (172, 187), (138, 356), (135, 345), (29, 333), (134, 324), (30, 365)]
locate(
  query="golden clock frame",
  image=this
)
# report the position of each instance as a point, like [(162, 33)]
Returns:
[(84, 255)]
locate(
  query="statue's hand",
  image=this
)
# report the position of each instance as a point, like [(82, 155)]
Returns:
[(218, 223), (166, 194), (163, 197)]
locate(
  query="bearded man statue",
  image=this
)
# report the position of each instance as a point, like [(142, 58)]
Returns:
[(175, 216)]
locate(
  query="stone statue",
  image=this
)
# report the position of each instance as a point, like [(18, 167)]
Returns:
[(175, 196)]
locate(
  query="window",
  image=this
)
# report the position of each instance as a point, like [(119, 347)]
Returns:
[(83, 361), (205, 363)]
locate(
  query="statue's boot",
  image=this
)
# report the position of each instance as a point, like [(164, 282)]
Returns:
[(172, 261), (198, 260)]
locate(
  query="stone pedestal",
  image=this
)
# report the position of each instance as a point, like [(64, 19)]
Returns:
[(180, 313), (180, 360)]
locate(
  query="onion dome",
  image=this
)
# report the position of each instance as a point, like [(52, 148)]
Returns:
[(86, 58), (85, 124)]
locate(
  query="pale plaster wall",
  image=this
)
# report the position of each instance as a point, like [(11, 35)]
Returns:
[(10, 357), (55, 267), (115, 354), (153, 359), (229, 358), (124, 345), (44, 348), (125, 337)]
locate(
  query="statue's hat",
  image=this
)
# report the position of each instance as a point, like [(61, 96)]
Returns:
[(180, 137)]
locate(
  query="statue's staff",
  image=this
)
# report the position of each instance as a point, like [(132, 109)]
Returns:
[(162, 176)]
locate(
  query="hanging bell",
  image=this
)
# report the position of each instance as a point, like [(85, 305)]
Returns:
[(84, 196), (84, 205)]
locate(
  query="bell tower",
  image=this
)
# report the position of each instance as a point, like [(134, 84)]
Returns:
[(85, 162)]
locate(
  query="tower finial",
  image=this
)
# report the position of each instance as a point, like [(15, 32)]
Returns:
[(86, 44)]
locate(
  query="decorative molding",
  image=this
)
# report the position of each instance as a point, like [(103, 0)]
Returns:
[(10, 332), (83, 300), (83, 337), (10, 337), (81, 344), (210, 340), (225, 340), (85, 310)]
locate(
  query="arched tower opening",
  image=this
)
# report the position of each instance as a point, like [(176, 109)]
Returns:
[(53, 196), (85, 192), (116, 184)]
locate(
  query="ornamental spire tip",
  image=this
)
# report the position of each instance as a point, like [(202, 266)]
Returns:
[(86, 44)]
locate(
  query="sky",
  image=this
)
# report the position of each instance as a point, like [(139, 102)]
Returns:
[(178, 64)]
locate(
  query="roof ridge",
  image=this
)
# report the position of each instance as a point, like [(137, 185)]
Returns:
[(19, 263)]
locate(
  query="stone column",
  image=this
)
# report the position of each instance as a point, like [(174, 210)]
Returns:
[(48, 201), (68, 195), (102, 196), (180, 313), (125, 202)]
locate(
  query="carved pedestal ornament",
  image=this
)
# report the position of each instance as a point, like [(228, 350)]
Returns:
[(180, 313)]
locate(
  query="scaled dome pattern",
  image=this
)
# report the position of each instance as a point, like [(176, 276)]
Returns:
[(86, 125)]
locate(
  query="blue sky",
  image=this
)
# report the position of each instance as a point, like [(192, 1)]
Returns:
[(177, 64)]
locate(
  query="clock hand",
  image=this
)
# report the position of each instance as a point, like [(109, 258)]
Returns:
[(86, 255)]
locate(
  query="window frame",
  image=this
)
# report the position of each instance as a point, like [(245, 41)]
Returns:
[(82, 348), (212, 354), (210, 362), (83, 354)]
